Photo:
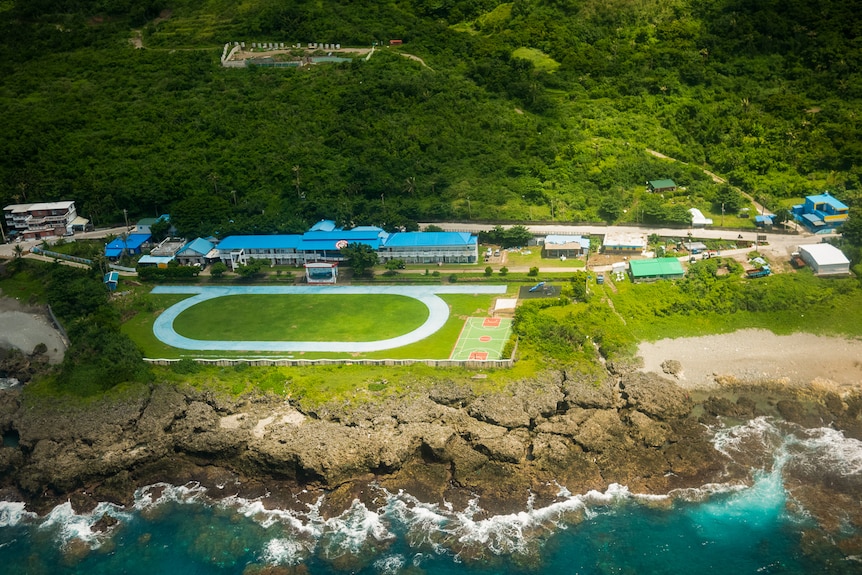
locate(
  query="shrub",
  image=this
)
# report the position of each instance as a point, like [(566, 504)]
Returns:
[(453, 278), (504, 270), (488, 271), (534, 271), (218, 269)]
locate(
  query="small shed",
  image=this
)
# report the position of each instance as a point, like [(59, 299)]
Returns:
[(763, 221), (825, 259), (660, 186), (655, 269), (111, 280)]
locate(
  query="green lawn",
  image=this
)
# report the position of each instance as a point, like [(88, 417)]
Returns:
[(302, 318)]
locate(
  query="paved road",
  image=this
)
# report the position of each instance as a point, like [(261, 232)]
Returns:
[(787, 243), (8, 250)]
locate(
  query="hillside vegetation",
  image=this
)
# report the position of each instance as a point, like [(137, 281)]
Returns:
[(541, 107)]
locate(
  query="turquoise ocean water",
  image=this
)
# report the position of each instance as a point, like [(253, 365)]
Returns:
[(729, 528)]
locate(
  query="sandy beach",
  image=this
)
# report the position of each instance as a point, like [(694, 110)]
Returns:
[(752, 355)]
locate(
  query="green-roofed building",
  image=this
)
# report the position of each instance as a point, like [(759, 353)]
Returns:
[(656, 269), (661, 186)]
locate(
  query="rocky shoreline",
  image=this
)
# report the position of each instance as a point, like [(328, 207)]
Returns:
[(636, 429)]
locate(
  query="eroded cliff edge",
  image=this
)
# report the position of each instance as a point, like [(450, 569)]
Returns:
[(447, 443)]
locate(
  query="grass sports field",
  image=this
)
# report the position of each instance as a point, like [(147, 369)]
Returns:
[(310, 317), (307, 317)]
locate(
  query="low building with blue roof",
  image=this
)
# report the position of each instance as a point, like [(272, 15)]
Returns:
[(821, 213), (132, 245), (278, 249), (198, 251), (431, 247), (320, 245)]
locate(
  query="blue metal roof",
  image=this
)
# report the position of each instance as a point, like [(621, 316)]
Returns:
[(431, 239), (200, 246), (330, 244), (260, 242), (155, 259), (323, 226), (827, 199), (133, 242), (347, 235)]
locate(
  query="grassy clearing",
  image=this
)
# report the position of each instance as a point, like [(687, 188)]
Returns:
[(533, 258), (26, 286), (828, 307), (302, 318), (541, 61), (340, 385)]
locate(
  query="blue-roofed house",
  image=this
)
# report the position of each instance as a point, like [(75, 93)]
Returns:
[(431, 247), (131, 245), (198, 251), (821, 213), (278, 249), (559, 246)]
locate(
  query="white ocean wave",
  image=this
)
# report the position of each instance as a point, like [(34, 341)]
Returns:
[(70, 525), (390, 565), (13, 512), (828, 449), (283, 551), (160, 493)]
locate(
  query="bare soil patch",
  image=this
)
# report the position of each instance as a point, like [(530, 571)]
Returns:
[(755, 355), (24, 327)]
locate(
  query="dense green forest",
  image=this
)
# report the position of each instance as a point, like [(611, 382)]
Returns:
[(539, 107)]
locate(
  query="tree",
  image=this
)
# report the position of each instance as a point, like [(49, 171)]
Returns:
[(488, 271), (516, 236), (159, 230), (360, 257), (729, 197), (250, 269), (395, 264), (851, 230), (218, 269)]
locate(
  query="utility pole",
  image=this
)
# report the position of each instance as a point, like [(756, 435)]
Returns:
[(126, 217), (722, 214), (233, 192), (469, 208), (296, 171)]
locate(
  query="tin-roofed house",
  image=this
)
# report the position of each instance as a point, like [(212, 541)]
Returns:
[(197, 252), (656, 269), (821, 214), (131, 245), (623, 242), (559, 246), (660, 186)]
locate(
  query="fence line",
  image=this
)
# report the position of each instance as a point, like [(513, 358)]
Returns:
[(263, 362), (58, 325), (67, 257)]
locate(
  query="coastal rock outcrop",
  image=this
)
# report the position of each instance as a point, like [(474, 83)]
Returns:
[(571, 429)]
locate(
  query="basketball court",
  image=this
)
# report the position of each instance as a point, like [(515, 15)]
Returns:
[(482, 338)]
